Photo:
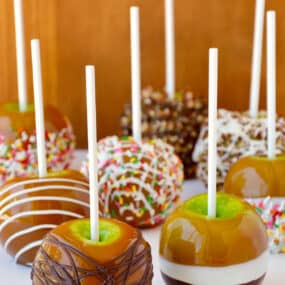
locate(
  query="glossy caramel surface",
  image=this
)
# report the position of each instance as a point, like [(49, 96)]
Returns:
[(13, 121), (98, 251), (115, 259), (194, 239), (32, 195), (257, 177)]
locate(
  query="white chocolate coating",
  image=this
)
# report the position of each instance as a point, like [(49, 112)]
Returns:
[(238, 135), (224, 275)]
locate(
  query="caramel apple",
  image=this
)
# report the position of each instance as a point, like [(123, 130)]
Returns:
[(238, 136), (260, 181), (257, 177), (177, 121), (31, 206), (139, 182), (18, 141), (68, 255), (228, 249)]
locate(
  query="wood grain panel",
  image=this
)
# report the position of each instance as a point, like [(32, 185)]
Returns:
[(78, 32)]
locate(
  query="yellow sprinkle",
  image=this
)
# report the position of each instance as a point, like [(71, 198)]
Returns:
[(121, 200), (134, 188)]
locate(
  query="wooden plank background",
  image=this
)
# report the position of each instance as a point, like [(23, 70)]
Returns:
[(78, 32)]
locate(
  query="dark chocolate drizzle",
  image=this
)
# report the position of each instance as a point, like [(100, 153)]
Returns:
[(46, 271)]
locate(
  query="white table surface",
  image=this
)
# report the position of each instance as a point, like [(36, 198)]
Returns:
[(11, 274)]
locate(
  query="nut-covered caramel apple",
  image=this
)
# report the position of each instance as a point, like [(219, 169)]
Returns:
[(68, 256), (139, 182), (32, 206), (260, 180), (18, 141), (238, 136), (228, 249), (176, 121)]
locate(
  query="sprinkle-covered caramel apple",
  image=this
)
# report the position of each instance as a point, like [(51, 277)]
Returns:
[(139, 182), (177, 121), (32, 206), (259, 179), (18, 154), (213, 238), (228, 249), (68, 255)]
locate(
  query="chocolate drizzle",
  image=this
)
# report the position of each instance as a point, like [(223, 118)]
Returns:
[(46, 271)]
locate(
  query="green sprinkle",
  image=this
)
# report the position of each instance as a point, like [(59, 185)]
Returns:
[(150, 200)]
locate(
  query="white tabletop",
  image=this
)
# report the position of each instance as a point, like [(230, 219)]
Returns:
[(11, 274)]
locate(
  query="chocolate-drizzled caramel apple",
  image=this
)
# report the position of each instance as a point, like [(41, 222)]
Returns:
[(139, 182), (177, 121), (228, 249), (68, 255), (32, 206), (93, 251)]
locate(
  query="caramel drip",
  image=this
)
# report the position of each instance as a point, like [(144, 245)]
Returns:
[(49, 272)]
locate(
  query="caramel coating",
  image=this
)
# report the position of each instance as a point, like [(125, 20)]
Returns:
[(193, 239), (30, 207), (125, 261), (257, 177), (12, 120)]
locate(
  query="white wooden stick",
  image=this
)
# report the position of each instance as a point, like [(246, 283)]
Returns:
[(136, 73), (212, 139), (92, 150), (39, 109), (21, 56), (256, 58), (170, 48), (271, 83)]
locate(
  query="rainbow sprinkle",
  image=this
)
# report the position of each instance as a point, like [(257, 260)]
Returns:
[(19, 158), (272, 211), (139, 183)]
